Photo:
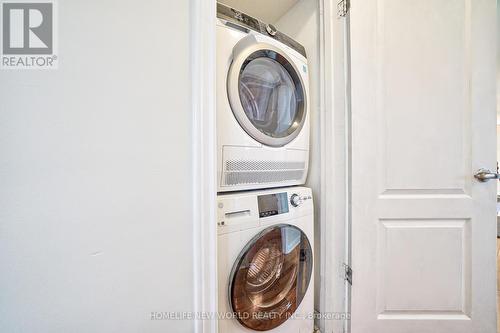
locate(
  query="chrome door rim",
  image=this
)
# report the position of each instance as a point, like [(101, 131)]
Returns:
[(243, 253), (239, 59)]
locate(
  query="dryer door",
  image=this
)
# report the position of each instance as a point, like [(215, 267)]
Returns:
[(266, 92), (270, 277)]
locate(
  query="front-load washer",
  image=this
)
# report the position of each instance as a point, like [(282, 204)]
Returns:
[(265, 261), (262, 105)]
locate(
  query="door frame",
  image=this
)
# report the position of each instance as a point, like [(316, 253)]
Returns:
[(333, 219), (335, 168), (204, 169)]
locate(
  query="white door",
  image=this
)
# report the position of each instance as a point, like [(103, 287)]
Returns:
[(423, 123)]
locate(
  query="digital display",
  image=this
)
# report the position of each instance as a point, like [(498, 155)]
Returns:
[(272, 204)]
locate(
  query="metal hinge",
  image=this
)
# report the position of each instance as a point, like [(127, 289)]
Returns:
[(343, 7), (348, 273)]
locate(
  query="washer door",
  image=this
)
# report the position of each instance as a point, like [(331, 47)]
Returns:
[(266, 92), (270, 277)]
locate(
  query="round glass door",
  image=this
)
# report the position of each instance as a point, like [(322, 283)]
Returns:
[(269, 102), (270, 277)]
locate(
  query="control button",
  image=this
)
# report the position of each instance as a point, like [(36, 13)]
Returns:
[(271, 30), (295, 200), (238, 15)]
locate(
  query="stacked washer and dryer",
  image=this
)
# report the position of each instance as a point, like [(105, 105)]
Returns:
[(265, 218)]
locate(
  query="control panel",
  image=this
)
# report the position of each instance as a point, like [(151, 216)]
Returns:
[(236, 17), (240, 211), (272, 204)]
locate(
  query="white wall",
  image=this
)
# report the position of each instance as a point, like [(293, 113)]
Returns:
[(95, 174), (301, 23)]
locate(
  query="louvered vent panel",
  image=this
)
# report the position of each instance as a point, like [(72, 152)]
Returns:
[(241, 172), (235, 165)]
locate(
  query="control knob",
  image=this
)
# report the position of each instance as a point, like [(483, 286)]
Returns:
[(271, 30), (295, 200)]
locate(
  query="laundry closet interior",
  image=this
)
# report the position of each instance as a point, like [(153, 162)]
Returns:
[(270, 125)]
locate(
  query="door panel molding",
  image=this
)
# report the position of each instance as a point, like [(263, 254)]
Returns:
[(407, 270), (436, 59)]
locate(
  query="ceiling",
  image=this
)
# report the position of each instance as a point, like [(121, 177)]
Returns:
[(268, 11)]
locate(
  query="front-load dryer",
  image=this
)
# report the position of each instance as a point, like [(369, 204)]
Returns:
[(262, 105), (265, 261)]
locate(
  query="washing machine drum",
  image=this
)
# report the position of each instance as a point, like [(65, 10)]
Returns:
[(266, 94), (270, 277)]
